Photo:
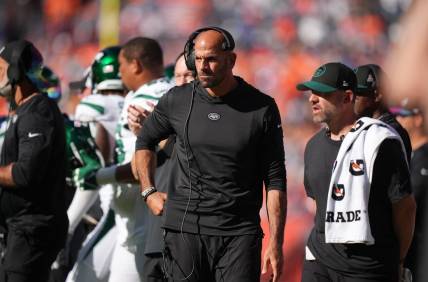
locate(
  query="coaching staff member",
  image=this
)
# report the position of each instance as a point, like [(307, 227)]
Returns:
[(32, 170), (229, 141), (389, 203), (369, 101)]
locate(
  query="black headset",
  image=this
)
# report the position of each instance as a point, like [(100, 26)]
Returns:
[(189, 51), (16, 70)]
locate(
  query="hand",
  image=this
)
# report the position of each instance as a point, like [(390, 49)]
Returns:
[(273, 257), (405, 274), (136, 116), (155, 202)]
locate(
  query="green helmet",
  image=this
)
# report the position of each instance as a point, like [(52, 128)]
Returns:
[(105, 70)]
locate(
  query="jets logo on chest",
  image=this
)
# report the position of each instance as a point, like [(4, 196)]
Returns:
[(214, 116)]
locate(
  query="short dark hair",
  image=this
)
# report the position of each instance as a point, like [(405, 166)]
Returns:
[(146, 50)]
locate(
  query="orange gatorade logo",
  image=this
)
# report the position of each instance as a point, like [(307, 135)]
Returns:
[(356, 167)]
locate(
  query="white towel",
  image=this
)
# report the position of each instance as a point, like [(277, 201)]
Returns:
[(347, 218)]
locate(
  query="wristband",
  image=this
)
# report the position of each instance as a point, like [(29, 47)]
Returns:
[(147, 192), (106, 175)]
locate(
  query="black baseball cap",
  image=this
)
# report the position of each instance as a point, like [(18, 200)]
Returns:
[(28, 57), (329, 78), (368, 78)]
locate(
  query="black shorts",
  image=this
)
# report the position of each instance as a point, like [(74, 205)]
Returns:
[(192, 257), (316, 271), (29, 255)]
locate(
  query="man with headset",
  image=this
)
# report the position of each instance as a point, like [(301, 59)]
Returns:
[(229, 142), (32, 170)]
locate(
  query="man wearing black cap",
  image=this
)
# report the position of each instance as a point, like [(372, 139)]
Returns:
[(412, 120), (369, 100), (32, 169), (363, 209)]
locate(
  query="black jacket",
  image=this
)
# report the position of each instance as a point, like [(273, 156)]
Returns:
[(35, 144)]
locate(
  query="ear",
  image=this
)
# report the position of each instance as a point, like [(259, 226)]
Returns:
[(136, 66), (232, 59), (349, 97), (379, 96)]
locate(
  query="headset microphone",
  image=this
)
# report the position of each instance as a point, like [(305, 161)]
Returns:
[(6, 90)]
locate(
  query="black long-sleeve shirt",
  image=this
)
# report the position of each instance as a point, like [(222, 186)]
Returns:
[(35, 143), (232, 145)]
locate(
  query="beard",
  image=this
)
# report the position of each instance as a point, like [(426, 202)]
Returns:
[(209, 81), (212, 79)]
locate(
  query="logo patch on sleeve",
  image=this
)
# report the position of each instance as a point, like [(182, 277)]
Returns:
[(338, 192), (356, 167)]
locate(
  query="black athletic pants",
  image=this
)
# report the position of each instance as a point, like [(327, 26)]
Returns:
[(153, 268), (315, 271), (194, 257), (28, 256)]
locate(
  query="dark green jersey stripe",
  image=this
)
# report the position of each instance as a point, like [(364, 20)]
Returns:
[(98, 108), (146, 97)]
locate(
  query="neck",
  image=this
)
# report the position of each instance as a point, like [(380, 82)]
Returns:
[(23, 94), (144, 78), (378, 112), (341, 126), (228, 84)]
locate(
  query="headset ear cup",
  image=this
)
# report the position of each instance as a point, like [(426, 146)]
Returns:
[(189, 55), (189, 48), (190, 63), (14, 74)]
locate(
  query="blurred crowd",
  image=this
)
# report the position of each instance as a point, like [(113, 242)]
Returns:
[(279, 43)]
